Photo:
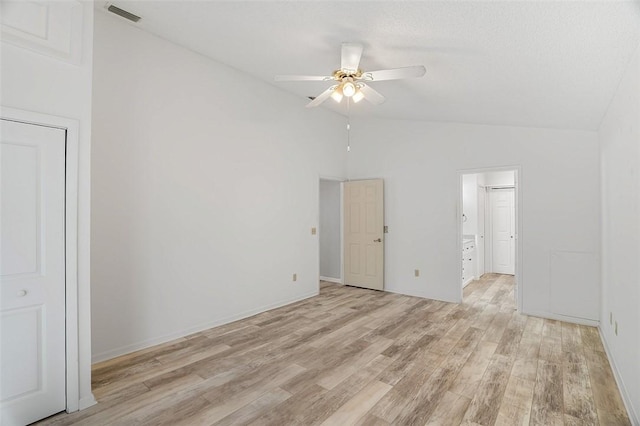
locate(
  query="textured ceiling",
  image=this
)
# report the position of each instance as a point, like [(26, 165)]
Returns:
[(540, 64)]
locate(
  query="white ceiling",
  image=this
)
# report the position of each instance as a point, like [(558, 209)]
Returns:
[(541, 64)]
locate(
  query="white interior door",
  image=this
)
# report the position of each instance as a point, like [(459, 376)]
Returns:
[(480, 243), (32, 267), (363, 233), (503, 230)]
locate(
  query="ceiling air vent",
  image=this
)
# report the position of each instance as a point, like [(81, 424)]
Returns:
[(120, 12)]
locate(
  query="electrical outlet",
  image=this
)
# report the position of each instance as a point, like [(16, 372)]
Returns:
[(416, 272), (616, 328), (295, 277), (313, 231), (386, 229), (611, 318)]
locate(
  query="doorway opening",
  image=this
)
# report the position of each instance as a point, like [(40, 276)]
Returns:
[(488, 236), (330, 230)]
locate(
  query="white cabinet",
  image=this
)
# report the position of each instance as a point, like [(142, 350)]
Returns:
[(468, 261)]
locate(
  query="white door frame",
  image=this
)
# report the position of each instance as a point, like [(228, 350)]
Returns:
[(71, 241), (520, 289), (341, 181)]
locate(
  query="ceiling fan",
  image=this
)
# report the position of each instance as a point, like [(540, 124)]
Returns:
[(351, 81)]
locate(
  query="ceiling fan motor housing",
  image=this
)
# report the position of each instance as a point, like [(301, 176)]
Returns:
[(339, 75)]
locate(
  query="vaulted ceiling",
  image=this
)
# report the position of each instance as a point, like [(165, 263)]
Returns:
[(541, 64)]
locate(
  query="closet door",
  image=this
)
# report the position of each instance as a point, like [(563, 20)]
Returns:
[(32, 267)]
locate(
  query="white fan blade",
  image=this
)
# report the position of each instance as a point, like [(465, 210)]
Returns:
[(303, 78), (321, 97), (351, 53), (395, 73), (371, 95)]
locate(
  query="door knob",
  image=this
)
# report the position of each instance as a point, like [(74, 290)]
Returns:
[(22, 293), (379, 240)]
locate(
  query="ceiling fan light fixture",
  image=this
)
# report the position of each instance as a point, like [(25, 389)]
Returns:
[(348, 89), (336, 95), (358, 96)]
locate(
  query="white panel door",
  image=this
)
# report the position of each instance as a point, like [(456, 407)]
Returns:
[(482, 193), (32, 270), (503, 230), (363, 234)]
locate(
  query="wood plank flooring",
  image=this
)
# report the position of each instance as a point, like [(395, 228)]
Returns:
[(359, 357)]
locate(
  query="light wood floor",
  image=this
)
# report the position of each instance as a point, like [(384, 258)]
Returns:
[(355, 356)]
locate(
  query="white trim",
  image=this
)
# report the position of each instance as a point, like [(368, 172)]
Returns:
[(123, 350), (416, 294), (517, 169), (331, 280), (498, 187), (71, 127), (565, 318), (342, 232), (633, 416), (517, 176), (333, 178), (86, 402)]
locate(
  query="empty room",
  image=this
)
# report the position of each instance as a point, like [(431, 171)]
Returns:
[(320, 212)]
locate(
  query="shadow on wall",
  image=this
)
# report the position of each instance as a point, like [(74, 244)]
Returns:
[(330, 230)]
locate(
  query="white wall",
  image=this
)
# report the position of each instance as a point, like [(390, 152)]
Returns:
[(420, 163), (205, 190), (43, 84), (330, 232), (620, 148)]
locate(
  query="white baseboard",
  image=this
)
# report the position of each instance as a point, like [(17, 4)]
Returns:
[(633, 415), (86, 402), (331, 280), (565, 318), (469, 281), (418, 294), (103, 356)]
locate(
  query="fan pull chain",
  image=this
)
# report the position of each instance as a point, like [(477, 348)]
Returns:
[(348, 126)]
